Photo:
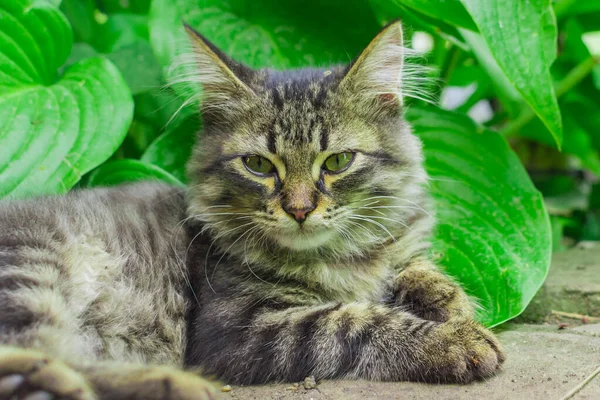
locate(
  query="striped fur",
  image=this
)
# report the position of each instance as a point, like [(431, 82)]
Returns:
[(105, 293)]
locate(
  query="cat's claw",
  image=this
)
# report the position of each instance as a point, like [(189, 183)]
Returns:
[(463, 351)]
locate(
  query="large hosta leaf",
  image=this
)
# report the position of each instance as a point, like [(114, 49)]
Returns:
[(53, 129), (522, 38), (493, 232)]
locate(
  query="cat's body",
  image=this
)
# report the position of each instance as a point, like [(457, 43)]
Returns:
[(96, 275), (299, 248)]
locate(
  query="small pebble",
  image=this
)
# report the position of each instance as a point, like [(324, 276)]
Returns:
[(310, 383), (226, 389), (295, 384)]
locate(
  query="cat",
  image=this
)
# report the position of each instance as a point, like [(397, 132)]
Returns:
[(299, 248)]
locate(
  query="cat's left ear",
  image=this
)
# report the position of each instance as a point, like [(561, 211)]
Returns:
[(376, 75)]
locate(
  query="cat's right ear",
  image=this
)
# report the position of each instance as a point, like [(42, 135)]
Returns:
[(222, 79)]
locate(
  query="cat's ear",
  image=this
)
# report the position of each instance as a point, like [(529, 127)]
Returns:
[(376, 75), (222, 79)]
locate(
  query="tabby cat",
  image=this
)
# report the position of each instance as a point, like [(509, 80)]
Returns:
[(299, 248)]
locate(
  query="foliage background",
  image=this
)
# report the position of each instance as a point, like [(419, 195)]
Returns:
[(89, 97)]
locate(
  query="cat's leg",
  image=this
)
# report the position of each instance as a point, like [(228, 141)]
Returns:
[(357, 340), (425, 291)]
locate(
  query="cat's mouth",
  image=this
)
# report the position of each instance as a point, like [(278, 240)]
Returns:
[(304, 239)]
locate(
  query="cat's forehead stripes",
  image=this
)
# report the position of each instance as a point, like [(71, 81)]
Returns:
[(299, 99)]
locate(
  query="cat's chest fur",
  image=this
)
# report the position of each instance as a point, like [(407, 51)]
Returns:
[(307, 280)]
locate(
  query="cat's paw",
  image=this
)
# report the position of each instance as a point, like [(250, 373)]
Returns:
[(153, 383), (31, 375), (431, 295), (461, 351)]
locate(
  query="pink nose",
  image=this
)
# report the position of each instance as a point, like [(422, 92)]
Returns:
[(300, 214)]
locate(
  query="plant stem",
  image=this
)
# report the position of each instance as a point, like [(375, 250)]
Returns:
[(573, 78), (450, 62), (576, 75), (581, 385)]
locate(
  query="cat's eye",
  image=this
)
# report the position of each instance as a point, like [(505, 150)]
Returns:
[(258, 165), (338, 162)]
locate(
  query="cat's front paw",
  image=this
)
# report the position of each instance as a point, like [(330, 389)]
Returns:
[(28, 375), (431, 295), (461, 351)]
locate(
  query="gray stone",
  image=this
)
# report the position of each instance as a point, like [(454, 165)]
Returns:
[(573, 285)]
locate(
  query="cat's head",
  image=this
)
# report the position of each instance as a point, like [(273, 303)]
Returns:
[(306, 161)]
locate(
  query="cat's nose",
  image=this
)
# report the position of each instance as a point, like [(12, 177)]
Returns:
[(300, 214)]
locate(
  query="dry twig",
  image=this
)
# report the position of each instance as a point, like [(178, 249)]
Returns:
[(575, 316), (581, 385)]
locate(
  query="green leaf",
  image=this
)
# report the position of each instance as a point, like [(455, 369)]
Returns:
[(263, 34), (450, 11), (80, 14), (52, 131), (171, 150), (55, 3), (522, 38), (493, 231), (161, 108), (126, 171), (138, 65), (565, 8), (387, 11), (135, 61), (122, 38), (130, 6), (120, 30), (506, 92)]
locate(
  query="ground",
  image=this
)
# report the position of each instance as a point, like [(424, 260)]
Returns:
[(548, 354)]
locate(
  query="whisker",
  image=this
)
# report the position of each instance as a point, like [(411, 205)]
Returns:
[(230, 246), (362, 218)]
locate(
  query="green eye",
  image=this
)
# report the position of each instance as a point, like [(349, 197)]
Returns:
[(258, 165), (338, 162)]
